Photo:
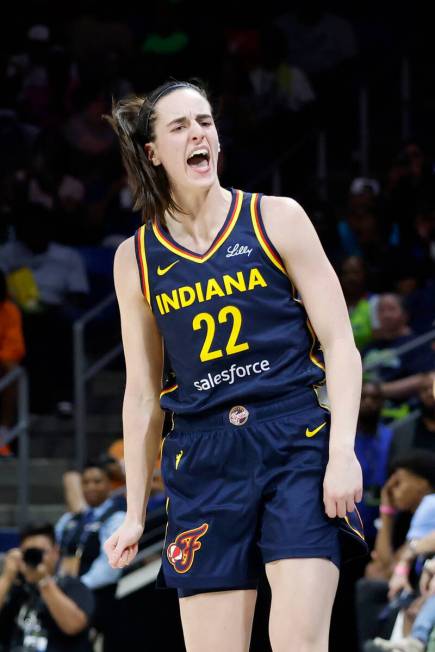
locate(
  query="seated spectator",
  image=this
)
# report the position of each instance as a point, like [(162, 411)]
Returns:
[(411, 480), (398, 371), (50, 284), (81, 537), (418, 432), (360, 302), (39, 610), (11, 353), (372, 445), (420, 543)]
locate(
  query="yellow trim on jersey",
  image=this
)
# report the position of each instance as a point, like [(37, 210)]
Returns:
[(260, 237), (311, 354), (168, 390), (346, 518), (198, 258), (143, 257)]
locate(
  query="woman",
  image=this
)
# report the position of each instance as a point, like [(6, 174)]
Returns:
[(250, 456)]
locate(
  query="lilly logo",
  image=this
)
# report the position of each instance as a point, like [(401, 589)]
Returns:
[(182, 551)]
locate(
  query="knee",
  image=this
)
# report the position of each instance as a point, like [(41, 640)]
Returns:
[(303, 639)]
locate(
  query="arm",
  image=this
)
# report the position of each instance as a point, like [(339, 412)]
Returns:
[(73, 492), (9, 574), (142, 415), (64, 611), (307, 265), (403, 388)]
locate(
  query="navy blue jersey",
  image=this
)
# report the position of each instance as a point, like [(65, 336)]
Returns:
[(233, 326)]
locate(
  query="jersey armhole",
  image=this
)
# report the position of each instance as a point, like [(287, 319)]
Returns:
[(139, 247), (262, 237)]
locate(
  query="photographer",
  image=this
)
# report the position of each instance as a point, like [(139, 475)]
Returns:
[(37, 610)]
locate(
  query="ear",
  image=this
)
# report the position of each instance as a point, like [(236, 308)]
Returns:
[(151, 155)]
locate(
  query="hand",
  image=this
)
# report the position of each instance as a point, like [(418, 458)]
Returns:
[(121, 548), (12, 565), (387, 491), (396, 584), (427, 579), (35, 575), (342, 485)]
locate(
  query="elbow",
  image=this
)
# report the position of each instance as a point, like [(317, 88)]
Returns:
[(76, 625)]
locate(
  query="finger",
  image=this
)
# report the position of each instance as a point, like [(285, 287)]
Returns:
[(350, 505), (330, 507), (110, 544), (123, 558), (358, 496), (341, 507)]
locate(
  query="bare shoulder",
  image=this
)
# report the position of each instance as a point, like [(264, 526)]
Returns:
[(286, 222), (125, 267), (284, 207)]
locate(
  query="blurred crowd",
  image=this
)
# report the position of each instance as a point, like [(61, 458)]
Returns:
[(65, 206)]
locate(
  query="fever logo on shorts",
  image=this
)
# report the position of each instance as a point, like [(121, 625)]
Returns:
[(182, 551)]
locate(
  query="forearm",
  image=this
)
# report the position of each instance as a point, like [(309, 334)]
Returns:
[(344, 379), (402, 388), (5, 587), (383, 548), (143, 424), (67, 615)]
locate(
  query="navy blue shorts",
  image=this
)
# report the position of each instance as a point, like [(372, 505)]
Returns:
[(246, 493)]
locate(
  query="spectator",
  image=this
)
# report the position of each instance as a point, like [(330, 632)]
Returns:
[(372, 445), (360, 302), (49, 282), (11, 353), (81, 537), (412, 479), (420, 431), (38, 610), (385, 362)]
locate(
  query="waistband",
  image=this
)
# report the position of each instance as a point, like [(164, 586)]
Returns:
[(245, 414)]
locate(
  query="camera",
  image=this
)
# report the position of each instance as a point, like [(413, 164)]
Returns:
[(33, 557)]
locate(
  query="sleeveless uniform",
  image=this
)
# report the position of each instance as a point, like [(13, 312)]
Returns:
[(244, 465)]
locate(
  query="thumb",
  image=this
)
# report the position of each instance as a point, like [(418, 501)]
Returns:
[(111, 544)]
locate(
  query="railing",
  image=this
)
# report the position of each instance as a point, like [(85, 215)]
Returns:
[(415, 343), (20, 431), (83, 373)]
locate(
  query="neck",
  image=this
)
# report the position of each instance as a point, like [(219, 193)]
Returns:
[(203, 213)]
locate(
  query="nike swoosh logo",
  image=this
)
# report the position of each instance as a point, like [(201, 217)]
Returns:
[(161, 271), (311, 433), (178, 459)]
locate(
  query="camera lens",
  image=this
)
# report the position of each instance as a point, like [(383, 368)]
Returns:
[(33, 557)]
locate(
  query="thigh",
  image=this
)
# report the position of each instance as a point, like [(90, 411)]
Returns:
[(303, 592), (218, 621)]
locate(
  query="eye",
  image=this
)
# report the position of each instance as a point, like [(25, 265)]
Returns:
[(178, 128), (206, 123)]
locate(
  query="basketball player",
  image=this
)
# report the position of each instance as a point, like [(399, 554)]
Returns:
[(224, 293)]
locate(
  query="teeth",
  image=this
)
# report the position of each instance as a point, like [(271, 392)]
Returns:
[(199, 151)]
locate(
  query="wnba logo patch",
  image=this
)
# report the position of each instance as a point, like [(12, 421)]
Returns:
[(181, 552)]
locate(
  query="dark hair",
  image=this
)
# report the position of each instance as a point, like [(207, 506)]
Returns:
[(420, 462), (96, 464), (38, 529), (133, 120)]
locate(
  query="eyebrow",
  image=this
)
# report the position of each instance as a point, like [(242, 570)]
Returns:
[(183, 119)]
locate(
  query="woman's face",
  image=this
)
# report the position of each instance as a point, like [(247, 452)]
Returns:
[(184, 126)]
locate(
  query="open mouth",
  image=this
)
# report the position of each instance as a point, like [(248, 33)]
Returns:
[(199, 159)]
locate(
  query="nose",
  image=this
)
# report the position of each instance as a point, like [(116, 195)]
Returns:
[(196, 131)]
